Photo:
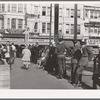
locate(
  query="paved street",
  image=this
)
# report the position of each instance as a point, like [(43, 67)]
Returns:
[(34, 78)]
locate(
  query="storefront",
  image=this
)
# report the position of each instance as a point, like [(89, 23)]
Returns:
[(20, 39)]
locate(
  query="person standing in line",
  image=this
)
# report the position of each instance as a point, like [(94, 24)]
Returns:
[(33, 53), (19, 51), (96, 74), (26, 57), (74, 61), (1, 54), (52, 59), (36, 52), (60, 50), (9, 54), (87, 55), (14, 52)]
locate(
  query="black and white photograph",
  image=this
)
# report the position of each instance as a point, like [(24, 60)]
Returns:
[(49, 45)]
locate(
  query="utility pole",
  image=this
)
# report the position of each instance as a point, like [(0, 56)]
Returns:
[(26, 30), (50, 23), (56, 22), (75, 23)]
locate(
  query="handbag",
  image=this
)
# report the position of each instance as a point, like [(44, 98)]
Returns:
[(7, 55)]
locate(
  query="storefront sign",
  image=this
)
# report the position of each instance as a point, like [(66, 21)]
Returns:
[(13, 40), (93, 42), (92, 24)]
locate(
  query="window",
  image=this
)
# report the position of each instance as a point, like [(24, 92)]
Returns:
[(60, 12), (35, 27), (20, 8), (3, 7), (43, 27), (72, 28), (48, 28), (8, 23), (86, 29), (95, 30), (48, 11), (91, 29), (98, 14), (78, 29), (36, 10), (2, 24), (98, 30), (44, 11), (95, 15), (25, 7), (67, 28), (13, 7), (91, 14), (86, 13), (67, 12), (60, 28), (72, 13), (20, 23), (78, 13), (8, 7), (13, 23)]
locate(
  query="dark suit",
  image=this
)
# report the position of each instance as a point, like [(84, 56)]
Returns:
[(74, 62), (87, 55)]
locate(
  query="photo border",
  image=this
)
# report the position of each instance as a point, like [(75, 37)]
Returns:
[(49, 94)]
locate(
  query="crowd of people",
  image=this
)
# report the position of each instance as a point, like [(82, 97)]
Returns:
[(52, 58)]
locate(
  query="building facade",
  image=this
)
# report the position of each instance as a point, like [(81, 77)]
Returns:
[(37, 17)]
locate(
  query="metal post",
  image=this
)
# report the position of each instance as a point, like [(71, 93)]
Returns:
[(50, 23), (27, 30), (94, 75), (56, 22), (75, 23)]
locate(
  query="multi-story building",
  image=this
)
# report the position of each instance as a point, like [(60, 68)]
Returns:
[(12, 17), (92, 24)]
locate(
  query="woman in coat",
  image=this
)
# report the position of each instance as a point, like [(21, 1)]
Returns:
[(26, 57)]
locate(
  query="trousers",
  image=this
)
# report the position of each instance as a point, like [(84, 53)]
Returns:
[(61, 66), (73, 72), (82, 65)]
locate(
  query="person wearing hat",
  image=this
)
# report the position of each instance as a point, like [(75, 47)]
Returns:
[(87, 56)]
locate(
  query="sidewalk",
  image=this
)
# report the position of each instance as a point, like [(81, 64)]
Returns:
[(4, 76)]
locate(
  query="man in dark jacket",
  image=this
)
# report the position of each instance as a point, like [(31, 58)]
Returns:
[(36, 52), (52, 58), (75, 60), (60, 49), (87, 55)]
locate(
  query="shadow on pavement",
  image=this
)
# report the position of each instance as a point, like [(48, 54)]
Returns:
[(85, 86), (22, 67)]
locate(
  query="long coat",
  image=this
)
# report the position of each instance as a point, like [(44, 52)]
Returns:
[(26, 55)]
